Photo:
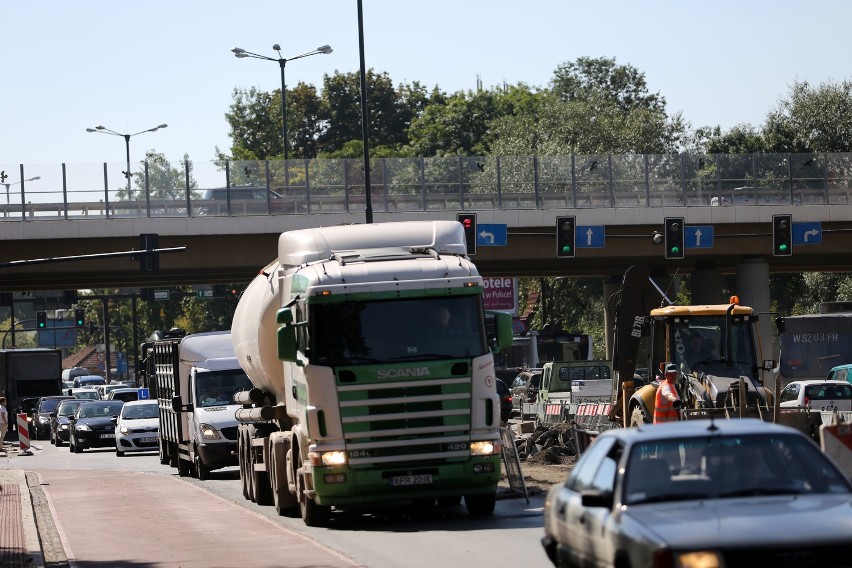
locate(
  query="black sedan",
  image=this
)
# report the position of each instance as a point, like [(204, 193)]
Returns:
[(92, 425), (41, 421), (736, 492), (60, 425)]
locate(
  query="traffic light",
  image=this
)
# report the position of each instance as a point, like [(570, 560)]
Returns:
[(41, 320), (468, 221), (149, 261), (566, 236), (782, 235), (79, 318), (674, 237)]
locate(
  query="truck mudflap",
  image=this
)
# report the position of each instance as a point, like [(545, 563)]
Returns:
[(344, 486), (217, 456)]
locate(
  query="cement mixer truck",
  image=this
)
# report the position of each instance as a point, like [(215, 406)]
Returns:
[(371, 359)]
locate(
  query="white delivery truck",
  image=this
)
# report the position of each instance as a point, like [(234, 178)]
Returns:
[(197, 376), (371, 357)]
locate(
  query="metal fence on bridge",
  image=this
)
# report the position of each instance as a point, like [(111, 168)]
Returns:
[(240, 188)]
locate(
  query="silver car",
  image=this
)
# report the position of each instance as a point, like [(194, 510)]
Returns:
[(721, 493)]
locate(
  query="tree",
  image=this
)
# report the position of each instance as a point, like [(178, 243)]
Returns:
[(601, 78), (812, 119), (164, 181)]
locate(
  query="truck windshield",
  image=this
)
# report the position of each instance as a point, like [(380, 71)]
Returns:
[(371, 332), (702, 340), (217, 388)]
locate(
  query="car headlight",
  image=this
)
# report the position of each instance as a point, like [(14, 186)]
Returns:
[(84, 427), (208, 432), (693, 559), (43, 419), (124, 429), (63, 426)]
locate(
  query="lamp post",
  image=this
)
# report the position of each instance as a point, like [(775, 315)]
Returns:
[(105, 130), (241, 53), (8, 185)]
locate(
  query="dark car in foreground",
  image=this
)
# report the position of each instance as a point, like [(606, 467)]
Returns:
[(60, 423), (92, 425), (41, 421), (709, 493)]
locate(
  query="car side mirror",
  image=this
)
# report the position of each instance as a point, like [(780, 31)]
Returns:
[(595, 498), (53, 415), (114, 420)]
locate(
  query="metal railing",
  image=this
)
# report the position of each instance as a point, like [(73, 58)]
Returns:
[(240, 188)]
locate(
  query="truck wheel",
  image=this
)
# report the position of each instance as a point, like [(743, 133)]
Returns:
[(286, 503), (480, 505), (637, 417), (164, 456), (184, 467), (259, 481), (241, 453), (313, 515)]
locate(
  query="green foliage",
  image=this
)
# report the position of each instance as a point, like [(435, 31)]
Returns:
[(164, 181), (812, 119)]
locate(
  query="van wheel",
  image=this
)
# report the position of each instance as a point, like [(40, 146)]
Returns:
[(202, 472)]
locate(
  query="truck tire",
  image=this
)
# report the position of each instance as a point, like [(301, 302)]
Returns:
[(202, 472), (245, 462), (260, 482), (164, 456), (637, 417), (286, 503), (184, 468), (480, 505), (313, 515)]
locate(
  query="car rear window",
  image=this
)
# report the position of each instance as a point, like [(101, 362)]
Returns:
[(828, 392)]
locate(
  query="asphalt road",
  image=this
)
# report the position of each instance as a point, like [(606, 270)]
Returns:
[(394, 536)]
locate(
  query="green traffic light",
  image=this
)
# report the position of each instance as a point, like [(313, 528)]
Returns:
[(675, 250), (782, 247), (566, 248)]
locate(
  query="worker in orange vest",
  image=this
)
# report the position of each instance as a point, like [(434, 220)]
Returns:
[(667, 402)]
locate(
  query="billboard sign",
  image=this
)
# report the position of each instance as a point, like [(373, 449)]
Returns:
[(501, 294)]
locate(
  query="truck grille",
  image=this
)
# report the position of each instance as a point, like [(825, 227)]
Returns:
[(418, 421)]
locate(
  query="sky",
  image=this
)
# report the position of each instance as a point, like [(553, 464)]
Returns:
[(130, 66)]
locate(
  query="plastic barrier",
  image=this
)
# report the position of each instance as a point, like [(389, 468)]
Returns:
[(24, 435), (836, 443)]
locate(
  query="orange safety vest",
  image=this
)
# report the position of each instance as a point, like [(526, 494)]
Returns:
[(664, 410)]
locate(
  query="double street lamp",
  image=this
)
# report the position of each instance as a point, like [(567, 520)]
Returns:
[(105, 130), (8, 185), (241, 53)]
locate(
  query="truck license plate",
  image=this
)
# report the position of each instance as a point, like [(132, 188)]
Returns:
[(107, 435), (149, 440), (424, 479)]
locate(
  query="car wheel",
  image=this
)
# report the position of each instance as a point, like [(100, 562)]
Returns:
[(52, 440), (77, 448), (118, 452), (59, 443)]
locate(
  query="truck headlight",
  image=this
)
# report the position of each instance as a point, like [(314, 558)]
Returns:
[(699, 559), (208, 432), (336, 457), (484, 448)]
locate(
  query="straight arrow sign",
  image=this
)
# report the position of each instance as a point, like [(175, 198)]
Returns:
[(590, 236), (698, 236)]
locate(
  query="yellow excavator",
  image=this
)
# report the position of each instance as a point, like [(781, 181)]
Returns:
[(716, 347)]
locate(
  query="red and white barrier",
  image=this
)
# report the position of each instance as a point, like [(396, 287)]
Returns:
[(24, 435), (836, 443)]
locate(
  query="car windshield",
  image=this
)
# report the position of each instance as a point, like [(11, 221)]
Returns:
[(140, 411), (829, 392), (100, 410), (90, 394), (217, 388), (48, 404), (730, 466), (67, 408)]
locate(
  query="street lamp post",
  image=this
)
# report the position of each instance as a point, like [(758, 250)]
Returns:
[(8, 185), (241, 53), (105, 130)]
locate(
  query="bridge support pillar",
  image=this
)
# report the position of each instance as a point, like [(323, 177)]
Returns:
[(707, 284), (753, 291)]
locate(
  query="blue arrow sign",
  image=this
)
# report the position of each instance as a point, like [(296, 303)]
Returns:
[(590, 236), (698, 236), (490, 235), (807, 233)]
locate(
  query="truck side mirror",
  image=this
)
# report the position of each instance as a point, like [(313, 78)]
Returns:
[(177, 405), (500, 335), (769, 364)]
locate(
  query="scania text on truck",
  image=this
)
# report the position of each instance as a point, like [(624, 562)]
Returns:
[(197, 376), (371, 357)]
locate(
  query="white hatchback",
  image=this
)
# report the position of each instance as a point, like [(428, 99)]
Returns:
[(137, 428), (818, 395)]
